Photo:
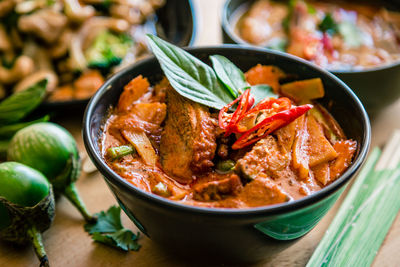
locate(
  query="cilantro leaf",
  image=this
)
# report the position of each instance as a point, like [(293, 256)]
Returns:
[(328, 24), (107, 222), (109, 230), (123, 239)]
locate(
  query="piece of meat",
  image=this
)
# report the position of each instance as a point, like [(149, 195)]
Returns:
[(154, 112), (261, 192), (160, 90), (188, 141), (265, 157), (345, 150), (217, 190), (322, 172), (132, 92)]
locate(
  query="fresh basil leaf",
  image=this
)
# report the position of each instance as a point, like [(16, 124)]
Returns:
[(262, 91), (351, 34), (7, 131), (123, 239), (189, 76), (230, 75), (107, 222), (19, 104), (328, 24)]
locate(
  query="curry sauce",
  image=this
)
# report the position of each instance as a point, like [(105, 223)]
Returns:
[(176, 148)]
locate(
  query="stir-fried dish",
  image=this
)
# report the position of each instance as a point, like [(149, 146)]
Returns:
[(252, 152), (74, 44), (336, 35)]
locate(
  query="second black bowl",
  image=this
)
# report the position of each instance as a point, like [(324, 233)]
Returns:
[(376, 87)]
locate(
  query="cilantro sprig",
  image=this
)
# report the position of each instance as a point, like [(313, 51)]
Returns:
[(109, 230)]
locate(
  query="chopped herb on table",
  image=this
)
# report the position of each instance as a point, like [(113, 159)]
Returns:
[(109, 230)]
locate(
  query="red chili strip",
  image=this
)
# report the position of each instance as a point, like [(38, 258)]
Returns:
[(227, 121), (269, 125), (270, 106)]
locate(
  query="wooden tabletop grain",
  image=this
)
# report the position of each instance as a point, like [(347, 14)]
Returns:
[(68, 245)]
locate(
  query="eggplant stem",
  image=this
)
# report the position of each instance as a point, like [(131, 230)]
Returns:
[(37, 242), (72, 194)]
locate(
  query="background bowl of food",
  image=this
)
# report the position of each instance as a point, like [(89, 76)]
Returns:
[(357, 41), (76, 45), (193, 180)]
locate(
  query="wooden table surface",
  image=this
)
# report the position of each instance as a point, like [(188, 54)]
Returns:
[(68, 245)]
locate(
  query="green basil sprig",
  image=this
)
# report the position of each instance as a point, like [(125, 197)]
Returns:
[(18, 105), (195, 80), (230, 75), (189, 76), (233, 79)]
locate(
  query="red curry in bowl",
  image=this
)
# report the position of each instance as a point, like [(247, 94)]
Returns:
[(244, 155)]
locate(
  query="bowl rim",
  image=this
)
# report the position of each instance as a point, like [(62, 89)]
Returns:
[(110, 176), (227, 29)]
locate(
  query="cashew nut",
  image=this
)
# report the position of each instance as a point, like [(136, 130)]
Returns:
[(23, 66), (52, 81), (45, 23), (60, 48), (23, 7), (5, 42), (76, 12), (6, 6)]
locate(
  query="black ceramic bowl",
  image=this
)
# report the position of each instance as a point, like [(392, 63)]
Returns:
[(228, 234), (376, 87), (175, 22)]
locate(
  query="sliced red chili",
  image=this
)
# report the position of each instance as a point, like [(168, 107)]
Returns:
[(244, 105), (224, 117), (269, 125), (269, 106), (227, 121), (327, 43)]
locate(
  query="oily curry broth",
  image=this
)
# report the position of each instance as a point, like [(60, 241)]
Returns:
[(179, 148), (336, 35)]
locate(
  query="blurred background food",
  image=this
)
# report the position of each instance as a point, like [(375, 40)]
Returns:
[(336, 35), (74, 44), (358, 41)]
